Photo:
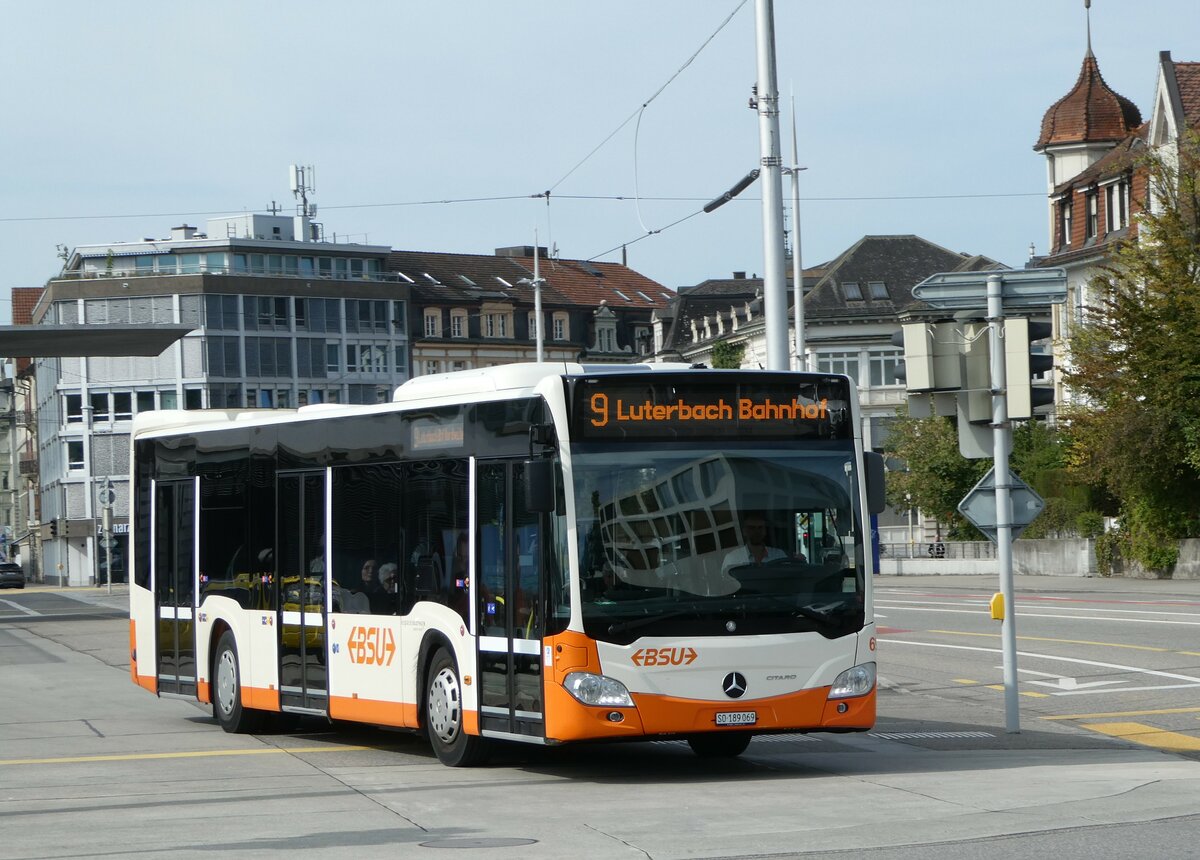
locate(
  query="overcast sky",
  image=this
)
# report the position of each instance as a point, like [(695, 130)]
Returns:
[(127, 118)]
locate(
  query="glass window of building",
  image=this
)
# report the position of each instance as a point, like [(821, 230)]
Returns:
[(166, 264), (215, 263), (75, 455), (145, 401), (561, 329), (189, 264), (852, 291), (122, 405), (433, 323), (258, 264), (883, 366), (340, 268), (274, 264), (144, 265), (291, 265), (458, 323), (307, 267), (325, 266), (838, 362), (878, 290), (332, 365), (169, 399), (99, 404), (73, 407), (399, 317), (241, 263)]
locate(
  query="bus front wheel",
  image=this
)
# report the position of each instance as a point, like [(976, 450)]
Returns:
[(227, 689), (444, 715), (720, 744)]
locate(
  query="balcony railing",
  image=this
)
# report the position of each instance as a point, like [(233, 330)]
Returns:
[(130, 274)]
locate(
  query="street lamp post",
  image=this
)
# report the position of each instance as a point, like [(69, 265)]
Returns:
[(908, 501)]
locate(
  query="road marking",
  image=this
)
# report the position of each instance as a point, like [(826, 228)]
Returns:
[(21, 608), (192, 754), (964, 681), (1030, 693), (1112, 714), (1107, 618), (1063, 682), (1191, 681), (1146, 735), (1064, 641)]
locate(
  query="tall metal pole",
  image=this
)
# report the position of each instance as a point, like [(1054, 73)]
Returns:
[(774, 270), (537, 298), (797, 269), (1001, 433)]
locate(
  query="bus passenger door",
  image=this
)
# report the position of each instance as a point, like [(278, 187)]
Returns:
[(509, 619), (300, 556), (175, 585)]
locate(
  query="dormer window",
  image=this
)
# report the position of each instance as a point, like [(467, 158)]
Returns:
[(1092, 204), (878, 290), (1064, 223), (852, 291)]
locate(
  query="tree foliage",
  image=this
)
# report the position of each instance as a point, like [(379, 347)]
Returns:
[(938, 476), (1135, 362), (727, 355)]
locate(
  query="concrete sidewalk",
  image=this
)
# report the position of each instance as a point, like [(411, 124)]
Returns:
[(1166, 589)]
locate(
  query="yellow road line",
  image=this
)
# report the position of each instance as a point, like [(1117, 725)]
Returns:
[(1065, 641), (1146, 735), (964, 681), (1109, 716), (1028, 693), (189, 754)]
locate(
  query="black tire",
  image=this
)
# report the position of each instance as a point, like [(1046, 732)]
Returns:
[(720, 744), (227, 690), (444, 715)]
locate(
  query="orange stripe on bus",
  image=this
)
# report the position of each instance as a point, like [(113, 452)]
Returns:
[(133, 650), (373, 711), (260, 698)]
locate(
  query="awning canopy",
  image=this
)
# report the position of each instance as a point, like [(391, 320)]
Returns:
[(49, 341)]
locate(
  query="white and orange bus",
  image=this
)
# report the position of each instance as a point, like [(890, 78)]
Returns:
[(536, 553)]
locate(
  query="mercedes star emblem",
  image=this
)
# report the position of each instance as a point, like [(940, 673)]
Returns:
[(734, 685)]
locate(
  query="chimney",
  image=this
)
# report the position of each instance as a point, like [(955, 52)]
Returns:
[(183, 231), (739, 276)]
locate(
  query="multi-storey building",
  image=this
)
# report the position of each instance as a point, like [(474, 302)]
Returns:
[(280, 319), (474, 311), (1094, 141)]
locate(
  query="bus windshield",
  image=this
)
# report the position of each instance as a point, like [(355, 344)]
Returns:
[(688, 542)]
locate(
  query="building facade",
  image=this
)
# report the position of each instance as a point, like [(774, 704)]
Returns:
[(472, 311), (280, 320)]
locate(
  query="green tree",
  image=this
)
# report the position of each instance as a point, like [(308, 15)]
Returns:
[(728, 355), (1136, 365), (937, 475)]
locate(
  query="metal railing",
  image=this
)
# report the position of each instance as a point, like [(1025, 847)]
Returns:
[(981, 550)]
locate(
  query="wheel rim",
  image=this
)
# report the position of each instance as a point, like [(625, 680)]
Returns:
[(445, 709), (226, 681)]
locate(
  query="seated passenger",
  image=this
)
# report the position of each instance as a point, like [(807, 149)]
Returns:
[(385, 599)]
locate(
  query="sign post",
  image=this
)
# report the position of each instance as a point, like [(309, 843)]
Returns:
[(1017, 289)]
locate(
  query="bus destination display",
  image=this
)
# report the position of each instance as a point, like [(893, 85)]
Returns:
[(673, 408)]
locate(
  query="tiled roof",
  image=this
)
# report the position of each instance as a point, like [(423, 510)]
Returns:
[(1187, 77), (897, 262), (1091, 112), (439, 278)]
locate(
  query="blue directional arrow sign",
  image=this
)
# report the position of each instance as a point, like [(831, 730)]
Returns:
[(1023, 288)]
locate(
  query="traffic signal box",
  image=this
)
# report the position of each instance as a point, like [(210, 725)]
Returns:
[(947, 371)]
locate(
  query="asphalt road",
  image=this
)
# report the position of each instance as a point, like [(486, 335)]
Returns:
[(91, 766)]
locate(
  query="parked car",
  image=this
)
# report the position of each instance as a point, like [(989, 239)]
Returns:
[(11, 575)]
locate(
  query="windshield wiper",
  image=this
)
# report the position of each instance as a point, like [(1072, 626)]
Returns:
[(635, 623)]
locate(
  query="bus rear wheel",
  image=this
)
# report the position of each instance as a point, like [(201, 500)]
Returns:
[(227, 690), (444, 715), (720, 744)]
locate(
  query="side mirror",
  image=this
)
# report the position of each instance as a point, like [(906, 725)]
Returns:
[(876, 482), (539, 485)]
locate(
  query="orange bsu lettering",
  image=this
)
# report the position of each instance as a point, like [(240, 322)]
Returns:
[(371, 645), (664, 656)]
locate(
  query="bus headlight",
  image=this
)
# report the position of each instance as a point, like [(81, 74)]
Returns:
[(598, 690), (856, 681)]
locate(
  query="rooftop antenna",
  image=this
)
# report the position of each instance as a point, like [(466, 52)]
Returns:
[(303, 183)]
